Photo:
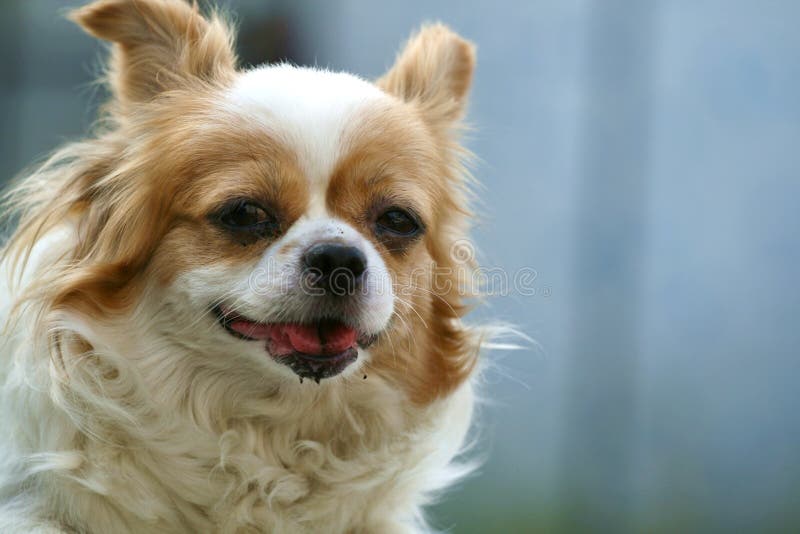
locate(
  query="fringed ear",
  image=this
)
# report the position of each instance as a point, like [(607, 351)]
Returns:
[(158, 45), (434, 70)]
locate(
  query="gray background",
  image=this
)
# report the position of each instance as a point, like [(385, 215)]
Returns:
[(642, 157)]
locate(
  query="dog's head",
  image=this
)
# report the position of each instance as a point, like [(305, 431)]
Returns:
[(282, 221)]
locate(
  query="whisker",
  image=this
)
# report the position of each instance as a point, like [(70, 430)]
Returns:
[(413, 309)]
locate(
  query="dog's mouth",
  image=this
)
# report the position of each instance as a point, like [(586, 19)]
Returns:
[(317, 350)]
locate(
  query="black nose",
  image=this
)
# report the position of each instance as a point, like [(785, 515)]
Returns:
[(334, 267)]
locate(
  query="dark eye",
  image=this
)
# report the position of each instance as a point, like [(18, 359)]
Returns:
[(246, 216), (398, 222)]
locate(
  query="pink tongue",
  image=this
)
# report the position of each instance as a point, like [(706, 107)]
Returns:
[(251, 329), (330, 338), (327, 338)]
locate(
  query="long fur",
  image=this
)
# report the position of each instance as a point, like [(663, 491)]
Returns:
[(125, 407)]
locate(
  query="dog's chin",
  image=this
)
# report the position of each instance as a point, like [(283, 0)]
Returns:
[(315, 350)]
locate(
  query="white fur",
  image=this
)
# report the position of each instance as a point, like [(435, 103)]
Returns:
[(310, 109), (189, 438), (172, 425), (270, 290)]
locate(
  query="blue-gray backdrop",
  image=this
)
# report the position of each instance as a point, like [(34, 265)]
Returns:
[(642, 158)]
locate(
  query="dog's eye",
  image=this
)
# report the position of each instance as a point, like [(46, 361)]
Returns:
[(245, 216), (398, 222)]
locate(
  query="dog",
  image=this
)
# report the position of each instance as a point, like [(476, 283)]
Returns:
[(236, 306)]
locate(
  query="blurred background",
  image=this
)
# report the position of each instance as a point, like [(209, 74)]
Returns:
[(643, 158)]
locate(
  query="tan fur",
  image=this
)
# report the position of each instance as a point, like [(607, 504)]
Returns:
[(432, 368), (159, 45), (153, 431), (434, 71)]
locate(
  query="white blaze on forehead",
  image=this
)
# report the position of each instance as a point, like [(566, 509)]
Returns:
[(309, 109)]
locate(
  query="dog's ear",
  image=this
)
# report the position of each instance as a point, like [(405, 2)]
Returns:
[(433, 70), (158, 45)]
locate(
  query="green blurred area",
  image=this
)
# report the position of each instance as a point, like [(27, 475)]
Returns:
[(472, 514)]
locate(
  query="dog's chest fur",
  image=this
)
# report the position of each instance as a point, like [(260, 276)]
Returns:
[(356, 468)]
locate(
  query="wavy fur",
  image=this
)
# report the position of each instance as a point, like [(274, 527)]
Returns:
[(125, 407)]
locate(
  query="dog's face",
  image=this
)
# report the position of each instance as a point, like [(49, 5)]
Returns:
[(314, 201), (292, 221)]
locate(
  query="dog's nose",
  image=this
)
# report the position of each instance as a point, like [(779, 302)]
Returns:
[(335, 267)]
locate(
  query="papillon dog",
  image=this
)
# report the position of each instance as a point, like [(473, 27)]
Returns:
[(237, 306)]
